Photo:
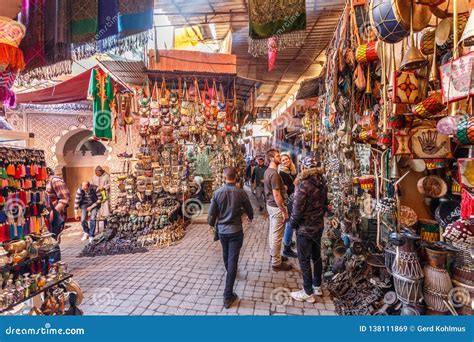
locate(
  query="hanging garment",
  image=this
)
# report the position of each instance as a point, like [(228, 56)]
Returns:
[(32, 16), (84, 27), (102, 93)]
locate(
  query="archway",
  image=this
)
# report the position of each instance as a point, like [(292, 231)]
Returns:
[(78, 154)]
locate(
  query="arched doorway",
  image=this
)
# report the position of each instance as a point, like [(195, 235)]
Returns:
[(78, 154)]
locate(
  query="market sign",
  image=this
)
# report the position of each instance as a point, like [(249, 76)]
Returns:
[(264, 112)]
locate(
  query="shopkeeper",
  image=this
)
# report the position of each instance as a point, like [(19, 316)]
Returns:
[(101, 179)]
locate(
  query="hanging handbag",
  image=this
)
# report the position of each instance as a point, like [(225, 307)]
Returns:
[(405, 87), (359, 78), (467, 204), (456, 78), (164, 94), (221, 103), (154, 103), (173, 95), (185, 104)]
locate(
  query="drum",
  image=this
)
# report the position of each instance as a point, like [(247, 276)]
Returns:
[(385, 22), (366, 53), (391, 19), (408, 277)]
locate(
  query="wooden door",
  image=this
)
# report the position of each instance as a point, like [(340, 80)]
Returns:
[(74, 176)]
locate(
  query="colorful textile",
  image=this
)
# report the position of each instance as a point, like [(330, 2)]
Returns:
[(33, 17), (283, 19), (107, 25), (84, 27), (57, 38), (101, 91)]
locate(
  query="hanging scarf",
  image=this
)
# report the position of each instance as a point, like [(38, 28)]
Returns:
[(84, 27), (116, 25), (107, 30), (134, 21), (32, 16), (285, 21)]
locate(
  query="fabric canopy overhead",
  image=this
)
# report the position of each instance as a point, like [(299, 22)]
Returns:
[(72, 90)]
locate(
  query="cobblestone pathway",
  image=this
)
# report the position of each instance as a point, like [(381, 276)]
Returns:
[(187, 278)]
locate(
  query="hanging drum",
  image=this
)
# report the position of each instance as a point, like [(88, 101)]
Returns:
[(367, 53), (465, 130), (391, 19), (385, 22)]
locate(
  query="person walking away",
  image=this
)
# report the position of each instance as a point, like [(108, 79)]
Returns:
[(277, 211), (226, 211), (88, 200), (257, 182), (287, 171), (101, 179), (58, 197), (309, 206)]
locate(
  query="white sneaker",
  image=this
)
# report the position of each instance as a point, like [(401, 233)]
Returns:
[(84, 237), (302, 296), (91, 238), (317, 291)]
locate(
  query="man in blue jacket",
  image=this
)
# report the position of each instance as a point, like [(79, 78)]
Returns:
[(226, 211)]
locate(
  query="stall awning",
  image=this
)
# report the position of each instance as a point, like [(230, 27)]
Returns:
[(73, 90)]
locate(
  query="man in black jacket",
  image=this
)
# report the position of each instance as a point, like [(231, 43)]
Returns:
[(257, 182), (226, 211), (307, 217)]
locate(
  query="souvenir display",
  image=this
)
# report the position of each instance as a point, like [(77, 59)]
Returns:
[(413, 171), (29, 254), (187, 128)]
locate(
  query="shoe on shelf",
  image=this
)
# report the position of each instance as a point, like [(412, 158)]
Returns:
[(228, 302), (288, 252), (282, 267), (84, 237), (302, 296), (317, 290)]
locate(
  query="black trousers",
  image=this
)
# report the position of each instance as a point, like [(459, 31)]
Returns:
[(309, 249), (231, 245)]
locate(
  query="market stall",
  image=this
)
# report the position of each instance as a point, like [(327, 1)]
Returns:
[(35, 281), (394, 129)]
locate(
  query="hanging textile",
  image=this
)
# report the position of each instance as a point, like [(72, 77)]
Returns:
[(57, 38), (101, 91), (285, 20), (84, 27), (32, 16), (108, 25), (134, 21)]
